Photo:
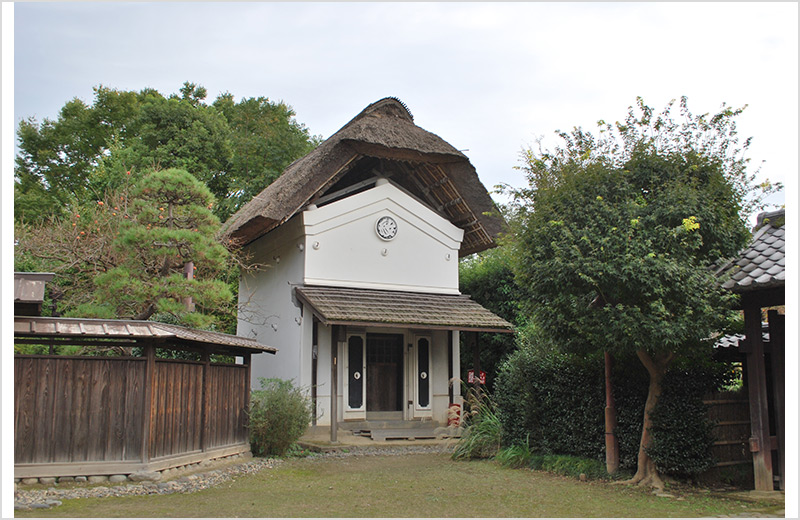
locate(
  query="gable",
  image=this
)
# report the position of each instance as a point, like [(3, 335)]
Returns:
[(344, 248)]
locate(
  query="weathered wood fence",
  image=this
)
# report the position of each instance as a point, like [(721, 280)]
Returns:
[(730, 412), (119, 415)]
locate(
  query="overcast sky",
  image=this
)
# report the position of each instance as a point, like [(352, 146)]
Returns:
[(487, 77)]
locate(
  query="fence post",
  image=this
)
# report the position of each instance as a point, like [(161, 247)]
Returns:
[(148, 408), (206, 359)]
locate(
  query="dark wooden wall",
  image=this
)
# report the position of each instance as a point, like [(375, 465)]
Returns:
[(79, 409)]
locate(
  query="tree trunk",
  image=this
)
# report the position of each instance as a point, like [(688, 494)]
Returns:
[(646, 472)]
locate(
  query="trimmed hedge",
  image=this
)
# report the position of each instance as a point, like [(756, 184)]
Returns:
[(554, 403)]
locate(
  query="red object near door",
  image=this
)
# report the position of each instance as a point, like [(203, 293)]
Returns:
[(454, 414)]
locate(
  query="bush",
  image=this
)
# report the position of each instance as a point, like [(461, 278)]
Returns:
[(483, 430), (682, 432), (279, 415), (553, 403)]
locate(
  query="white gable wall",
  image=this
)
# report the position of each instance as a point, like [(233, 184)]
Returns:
[(344, 250)]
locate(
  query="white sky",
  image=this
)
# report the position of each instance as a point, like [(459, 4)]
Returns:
[(489, 78)]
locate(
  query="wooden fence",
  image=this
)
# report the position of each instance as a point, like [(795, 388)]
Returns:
[(730, 412), (119, 415)]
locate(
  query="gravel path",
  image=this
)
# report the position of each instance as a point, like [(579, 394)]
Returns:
[(27, 499)]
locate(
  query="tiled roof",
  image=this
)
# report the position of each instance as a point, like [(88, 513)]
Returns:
[(762, 265), (368, 307), (130, 329), (733, 340)]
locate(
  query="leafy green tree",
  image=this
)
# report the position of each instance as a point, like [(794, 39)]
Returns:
[(124, 256), (236, 149), (616, 234), (171, 225), (265, 138), (57, 157)]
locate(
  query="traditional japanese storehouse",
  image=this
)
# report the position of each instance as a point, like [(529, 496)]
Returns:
[(359, 243)]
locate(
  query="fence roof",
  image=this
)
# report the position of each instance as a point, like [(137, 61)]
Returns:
[(177, 336)]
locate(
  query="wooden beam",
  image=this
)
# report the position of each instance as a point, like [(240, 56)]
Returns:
[(777, 341), (757, 391), (763, 298)]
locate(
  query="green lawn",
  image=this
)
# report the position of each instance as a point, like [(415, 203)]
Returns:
[(405, 486)]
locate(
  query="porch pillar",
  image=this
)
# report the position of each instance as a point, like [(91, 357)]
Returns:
[(476, 360), (760, 444), (335, 333)]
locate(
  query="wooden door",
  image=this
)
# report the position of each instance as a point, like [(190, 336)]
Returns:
[(384, 372)]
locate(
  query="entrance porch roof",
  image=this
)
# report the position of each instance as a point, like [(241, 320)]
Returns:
[(392, 309)]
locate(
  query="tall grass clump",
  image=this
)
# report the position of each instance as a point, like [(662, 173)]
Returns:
[(279, 414), (483, 430)]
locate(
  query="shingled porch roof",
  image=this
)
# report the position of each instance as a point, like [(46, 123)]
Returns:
[(376, 308)]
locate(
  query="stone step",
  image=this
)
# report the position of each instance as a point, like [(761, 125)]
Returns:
[(367, 426), (410, 434)]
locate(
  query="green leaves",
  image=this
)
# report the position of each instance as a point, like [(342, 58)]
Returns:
[(236, 149), (614, 246)]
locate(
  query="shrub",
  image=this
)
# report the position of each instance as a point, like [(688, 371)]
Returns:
[(682, 432), (554, 400), (483, 430), (279, 415), (553, 403)]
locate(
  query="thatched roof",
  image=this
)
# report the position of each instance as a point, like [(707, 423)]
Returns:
[(381, 139)]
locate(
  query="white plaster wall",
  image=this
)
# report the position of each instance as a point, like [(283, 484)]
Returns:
[(267, 309), (343, 249)]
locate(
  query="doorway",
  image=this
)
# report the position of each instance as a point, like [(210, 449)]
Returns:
[(385, 376)]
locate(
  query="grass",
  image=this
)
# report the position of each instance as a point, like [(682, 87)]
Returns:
[(404, 486)]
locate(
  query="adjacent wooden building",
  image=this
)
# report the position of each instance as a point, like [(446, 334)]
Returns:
[(758, 276), (127, 413)]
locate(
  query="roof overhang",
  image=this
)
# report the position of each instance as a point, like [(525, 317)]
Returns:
[(86, 330), (395, 309)]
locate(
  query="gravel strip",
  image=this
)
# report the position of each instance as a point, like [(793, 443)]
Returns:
[(27, 499)]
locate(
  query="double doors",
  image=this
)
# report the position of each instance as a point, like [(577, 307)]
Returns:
[(383, 373)]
